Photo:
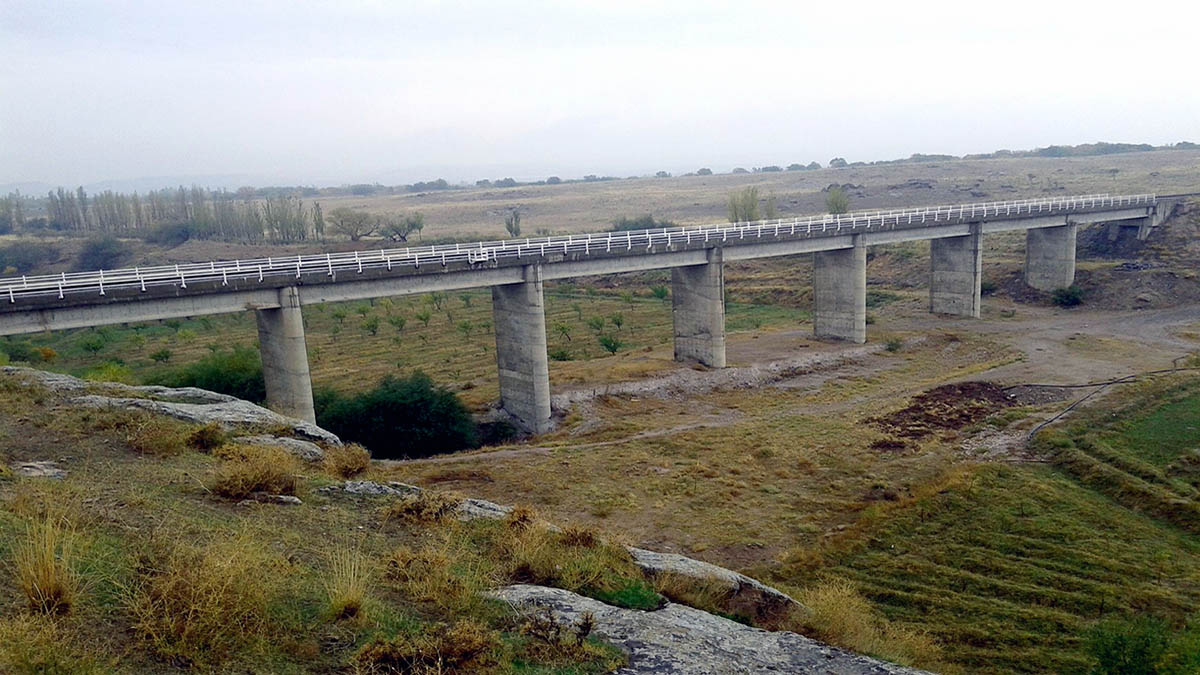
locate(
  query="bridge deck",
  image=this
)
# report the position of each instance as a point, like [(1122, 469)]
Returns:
[(665, 247)]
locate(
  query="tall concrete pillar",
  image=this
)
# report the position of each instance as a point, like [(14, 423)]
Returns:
[(956, 271), (519, 314), (840, 293), (285, 357), (1050, 257), (698, 311)]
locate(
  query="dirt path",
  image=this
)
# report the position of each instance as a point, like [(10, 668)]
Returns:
[(1060, 347)]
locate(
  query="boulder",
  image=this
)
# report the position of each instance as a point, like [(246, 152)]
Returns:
[(682, 640), (468, 509)]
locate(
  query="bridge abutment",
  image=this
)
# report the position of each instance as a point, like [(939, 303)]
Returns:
[(840, 292), (518, 312), (956, 273), (698, 311), (285, 357), (1050, 257)]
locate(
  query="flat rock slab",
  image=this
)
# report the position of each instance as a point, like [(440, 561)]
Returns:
[(681, 640), (189, 404), (44, 469), (468, 509), (305, 450)]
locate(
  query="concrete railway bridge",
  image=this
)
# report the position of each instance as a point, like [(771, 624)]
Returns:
[(277, 289)]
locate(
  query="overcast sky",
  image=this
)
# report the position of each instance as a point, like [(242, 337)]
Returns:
[(330, 93)]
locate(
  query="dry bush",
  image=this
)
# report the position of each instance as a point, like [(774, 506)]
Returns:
[(35, 644), (465, 647), (521, 518), (255, 468), (547, 642), (347, 584), (581, 537), (42, 561), (448, 575), (839, 615), (156, 436), (204, 605), (347, 460), (423, 507), (207, 437)]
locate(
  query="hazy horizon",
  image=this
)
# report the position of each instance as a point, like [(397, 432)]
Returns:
[(365, 92)]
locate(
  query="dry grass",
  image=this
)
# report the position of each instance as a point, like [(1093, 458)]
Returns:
[(155, 435), (465, 647), (426, 506), (255, 468), (43, 564), (347, 460), (839, 615), (348, 584), (34, 644), (205, 605), (207, 437), (444, 575)]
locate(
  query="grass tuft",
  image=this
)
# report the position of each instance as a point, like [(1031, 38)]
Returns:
[(347, 461), (426, 506), (207, 437), (255, 468), (348, 584), (34, 644), (43, 565), (465, 647), (203, 606)]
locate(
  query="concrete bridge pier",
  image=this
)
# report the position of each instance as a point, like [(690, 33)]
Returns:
[(698, 311), (285, 357), (840, 292), (518, 312), (956, 273), (1050, 257)]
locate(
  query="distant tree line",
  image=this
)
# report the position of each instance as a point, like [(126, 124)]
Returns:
[(168, 215)]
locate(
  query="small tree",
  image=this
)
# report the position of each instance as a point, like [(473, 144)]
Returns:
[(466, 299), (771, 209), (659, 292), (627, 296), (371, 325), (563, 329), (351, 223), (424, 315), (837, 201), (512, 223), (743, 205), (596, 323), (617, 320), (161, 356), (465, 327), (610, 343), (397, 322)]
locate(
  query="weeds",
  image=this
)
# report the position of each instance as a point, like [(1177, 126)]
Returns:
[(347, 584), (465, 647), (43, 565), (34, 644), (255, 468), (347, 460), (423, 507), (204, 605), (207, 437)]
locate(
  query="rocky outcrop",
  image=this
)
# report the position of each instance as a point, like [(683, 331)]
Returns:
[(42, 469), (468, 508), (742, 592), (187, 403), (682, 640), (305, 450), (740, 589)]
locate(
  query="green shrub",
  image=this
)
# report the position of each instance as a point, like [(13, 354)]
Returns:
[(893, 344), (401, 417), (102, 253), (26, 256), (646, 222), (1067, 297), (987, 287), (1142, 645), (236, 373)]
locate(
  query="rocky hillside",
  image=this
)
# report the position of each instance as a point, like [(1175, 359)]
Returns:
[(147, 529)]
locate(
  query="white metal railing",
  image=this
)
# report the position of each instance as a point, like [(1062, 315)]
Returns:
[(100, 282)]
